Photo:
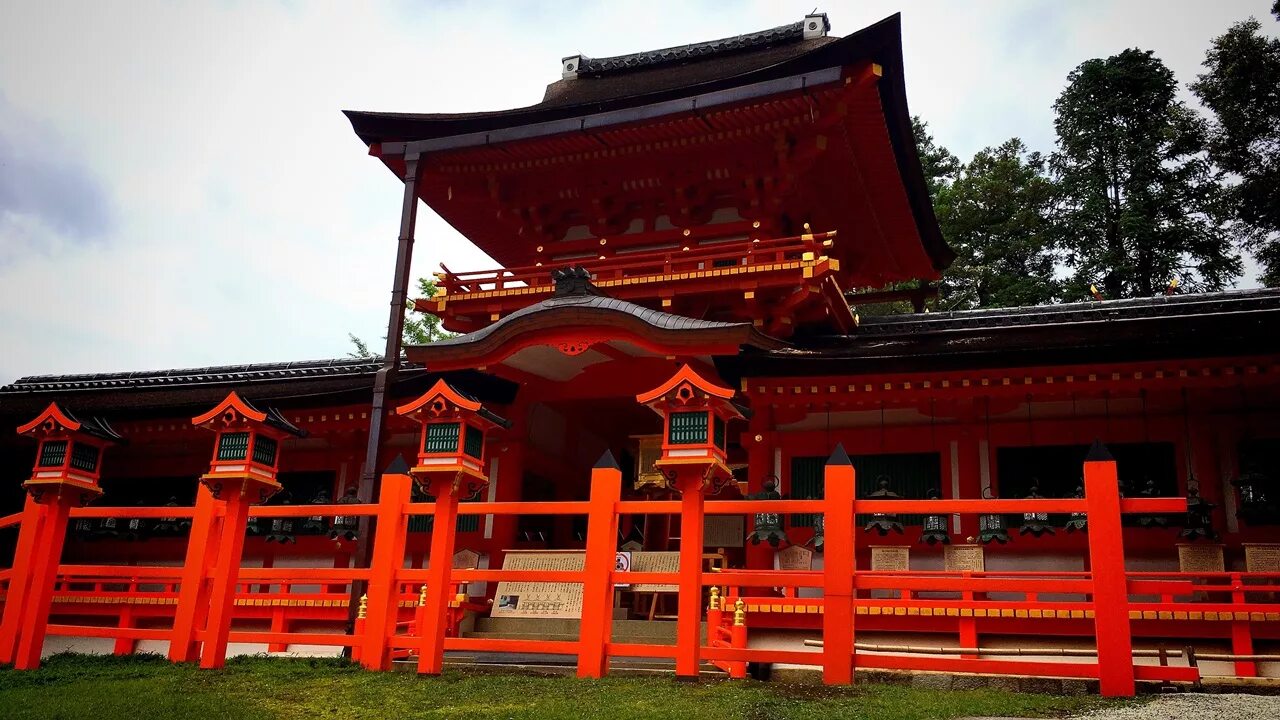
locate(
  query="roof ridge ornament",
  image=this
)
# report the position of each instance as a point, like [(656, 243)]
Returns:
[(814, 25), (573, 281)]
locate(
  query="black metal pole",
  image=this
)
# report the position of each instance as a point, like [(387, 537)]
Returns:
[(386, 377)]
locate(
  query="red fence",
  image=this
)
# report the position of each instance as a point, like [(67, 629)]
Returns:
[(417, 611)]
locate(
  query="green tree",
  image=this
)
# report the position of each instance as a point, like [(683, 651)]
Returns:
[(1242, 90), (939, 165), (419, 328), (1139, 202), (996, 216)]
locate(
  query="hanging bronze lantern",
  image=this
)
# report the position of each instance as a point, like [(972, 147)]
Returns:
[(86, 529), (819, 533), (281, 528), (135, 529), (1254, 505), (1078, 520), (883, 523), (169, 526), (935, 526), (344, 526), (316, 524), (1035, 523), (768, 525), (1149, 490), (991, 527), (1199, 519)]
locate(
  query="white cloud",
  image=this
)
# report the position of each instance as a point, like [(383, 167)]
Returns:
[(245, 223)]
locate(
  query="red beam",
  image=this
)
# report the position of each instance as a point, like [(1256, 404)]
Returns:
[(550, 647)]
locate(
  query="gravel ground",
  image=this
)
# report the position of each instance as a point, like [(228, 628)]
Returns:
[(1193, 706)]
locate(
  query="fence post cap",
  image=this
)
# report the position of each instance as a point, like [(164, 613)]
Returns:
[(1098, 453), (397, 467), (839, 456), (607, 461)]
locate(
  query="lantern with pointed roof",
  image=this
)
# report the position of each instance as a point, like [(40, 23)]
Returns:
[(69, 455), (453, 430), (695, 415), (246, 450)]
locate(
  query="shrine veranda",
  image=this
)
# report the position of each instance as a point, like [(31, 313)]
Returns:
[(665, 417)]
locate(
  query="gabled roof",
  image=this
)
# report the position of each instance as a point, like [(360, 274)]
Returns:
[(653, 87)]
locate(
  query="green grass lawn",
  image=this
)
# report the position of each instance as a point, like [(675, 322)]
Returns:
[(78, 687)]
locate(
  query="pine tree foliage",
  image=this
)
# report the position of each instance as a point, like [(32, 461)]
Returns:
[(996, 216), (1139, 202), (1242, 91)]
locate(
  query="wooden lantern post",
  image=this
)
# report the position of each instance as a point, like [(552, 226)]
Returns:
[(66, 474), (695, 414), (450, 467), (242, 471)]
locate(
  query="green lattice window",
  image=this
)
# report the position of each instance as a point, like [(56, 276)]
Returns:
[(717, 431), (53, 453), (441, 438), (688, 428), (806, 484), (473, 442), (264, 450), (233, 446), (911, 475), (84, 457)]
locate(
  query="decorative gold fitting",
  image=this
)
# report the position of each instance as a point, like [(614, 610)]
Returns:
[(363, 611), (460, 598), (422, 594), (715, 598), (739, 613)]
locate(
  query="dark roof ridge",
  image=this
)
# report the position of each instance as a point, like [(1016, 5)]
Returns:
[(231, 373), (791, 32), (1086, 306)]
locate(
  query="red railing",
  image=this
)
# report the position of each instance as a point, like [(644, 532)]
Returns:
[(681, 259), (418, 611)]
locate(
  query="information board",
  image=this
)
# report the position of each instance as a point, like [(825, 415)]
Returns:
[(537, 599), (1200, 558), (890, 557), (961, 558)]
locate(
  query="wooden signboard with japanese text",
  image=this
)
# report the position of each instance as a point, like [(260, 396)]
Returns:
[(724, 531), (794, 558), (655, 562), (962, 558), (1200, 558), (1262, 557), (537, 599), (890, 557)]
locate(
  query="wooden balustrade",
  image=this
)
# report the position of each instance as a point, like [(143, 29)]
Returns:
[(399, 618)]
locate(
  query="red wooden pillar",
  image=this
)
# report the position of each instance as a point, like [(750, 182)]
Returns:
[(193, 592), (1110, 586), (435, 612), (689, 481), (838, 569), (1241, 634), (225, 573), (597, 585), (29, 534), (43, 577), (389, 537)]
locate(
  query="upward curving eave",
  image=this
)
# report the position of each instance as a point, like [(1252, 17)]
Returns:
[(390, 134), (590, 319)]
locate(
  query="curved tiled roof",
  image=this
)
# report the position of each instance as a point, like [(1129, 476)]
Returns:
[(234, 374), (694, 51)]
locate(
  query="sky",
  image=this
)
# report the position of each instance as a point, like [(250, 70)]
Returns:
[(178, 186)]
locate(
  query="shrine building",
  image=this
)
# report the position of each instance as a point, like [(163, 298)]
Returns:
[(692, 243)]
